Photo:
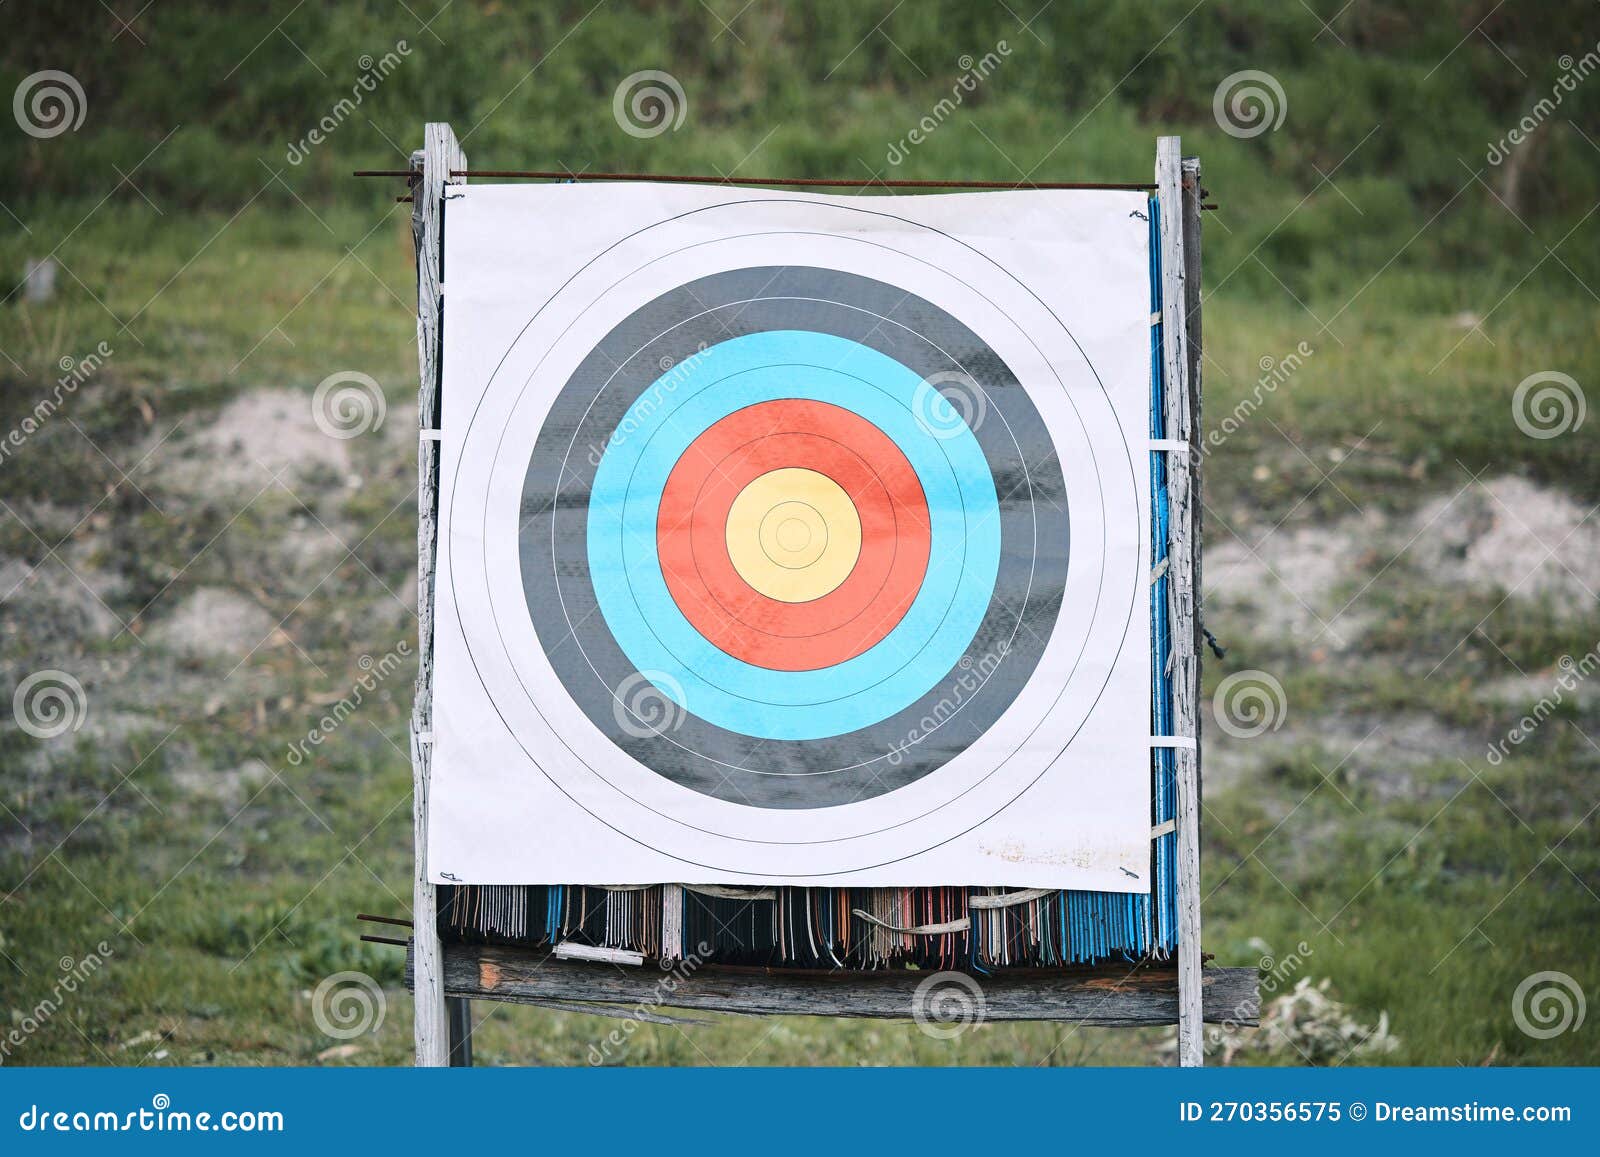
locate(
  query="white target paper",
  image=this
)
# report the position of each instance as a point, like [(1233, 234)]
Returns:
[(793, 539)]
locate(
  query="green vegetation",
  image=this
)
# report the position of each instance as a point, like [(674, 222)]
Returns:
[(1371, 225)]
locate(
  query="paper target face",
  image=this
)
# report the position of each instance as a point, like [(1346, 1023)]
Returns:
[(787, 539)]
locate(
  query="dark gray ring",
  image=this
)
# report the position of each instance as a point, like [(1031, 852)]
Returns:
[(840, 769)]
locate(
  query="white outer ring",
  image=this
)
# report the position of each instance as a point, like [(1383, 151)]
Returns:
[(632, 798)]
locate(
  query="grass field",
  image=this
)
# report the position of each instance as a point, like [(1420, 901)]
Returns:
[(1384, 540)]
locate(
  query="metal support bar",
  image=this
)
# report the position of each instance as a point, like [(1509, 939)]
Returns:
[(458, 1012)]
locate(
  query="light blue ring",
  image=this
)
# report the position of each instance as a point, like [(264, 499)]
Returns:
[(729, 693)]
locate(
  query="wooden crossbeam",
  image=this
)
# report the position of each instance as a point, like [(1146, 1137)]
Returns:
[(1121, 997)]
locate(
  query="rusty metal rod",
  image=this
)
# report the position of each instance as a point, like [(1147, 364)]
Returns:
[(801, 182), (397, 921)]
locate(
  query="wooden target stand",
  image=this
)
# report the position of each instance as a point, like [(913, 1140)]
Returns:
[(444, 978)]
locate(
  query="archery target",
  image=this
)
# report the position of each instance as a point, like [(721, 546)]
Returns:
[(782, 538)]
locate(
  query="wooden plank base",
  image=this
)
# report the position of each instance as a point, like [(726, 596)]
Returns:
[(1112, 997)]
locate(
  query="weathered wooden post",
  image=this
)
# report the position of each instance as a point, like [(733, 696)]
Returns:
[(433, 163), (1178, 198)]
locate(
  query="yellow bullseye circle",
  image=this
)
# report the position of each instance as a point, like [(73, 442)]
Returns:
[(793, 534)]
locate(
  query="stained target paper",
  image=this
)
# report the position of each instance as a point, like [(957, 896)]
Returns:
[(793, 539)]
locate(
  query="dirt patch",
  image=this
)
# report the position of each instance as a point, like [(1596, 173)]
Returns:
[(1304, 586), (49, 604), (230, 786), (256, 436), (1561, 684), (1289, 583), (1379, 754), (214, 623), (1510, 534)]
